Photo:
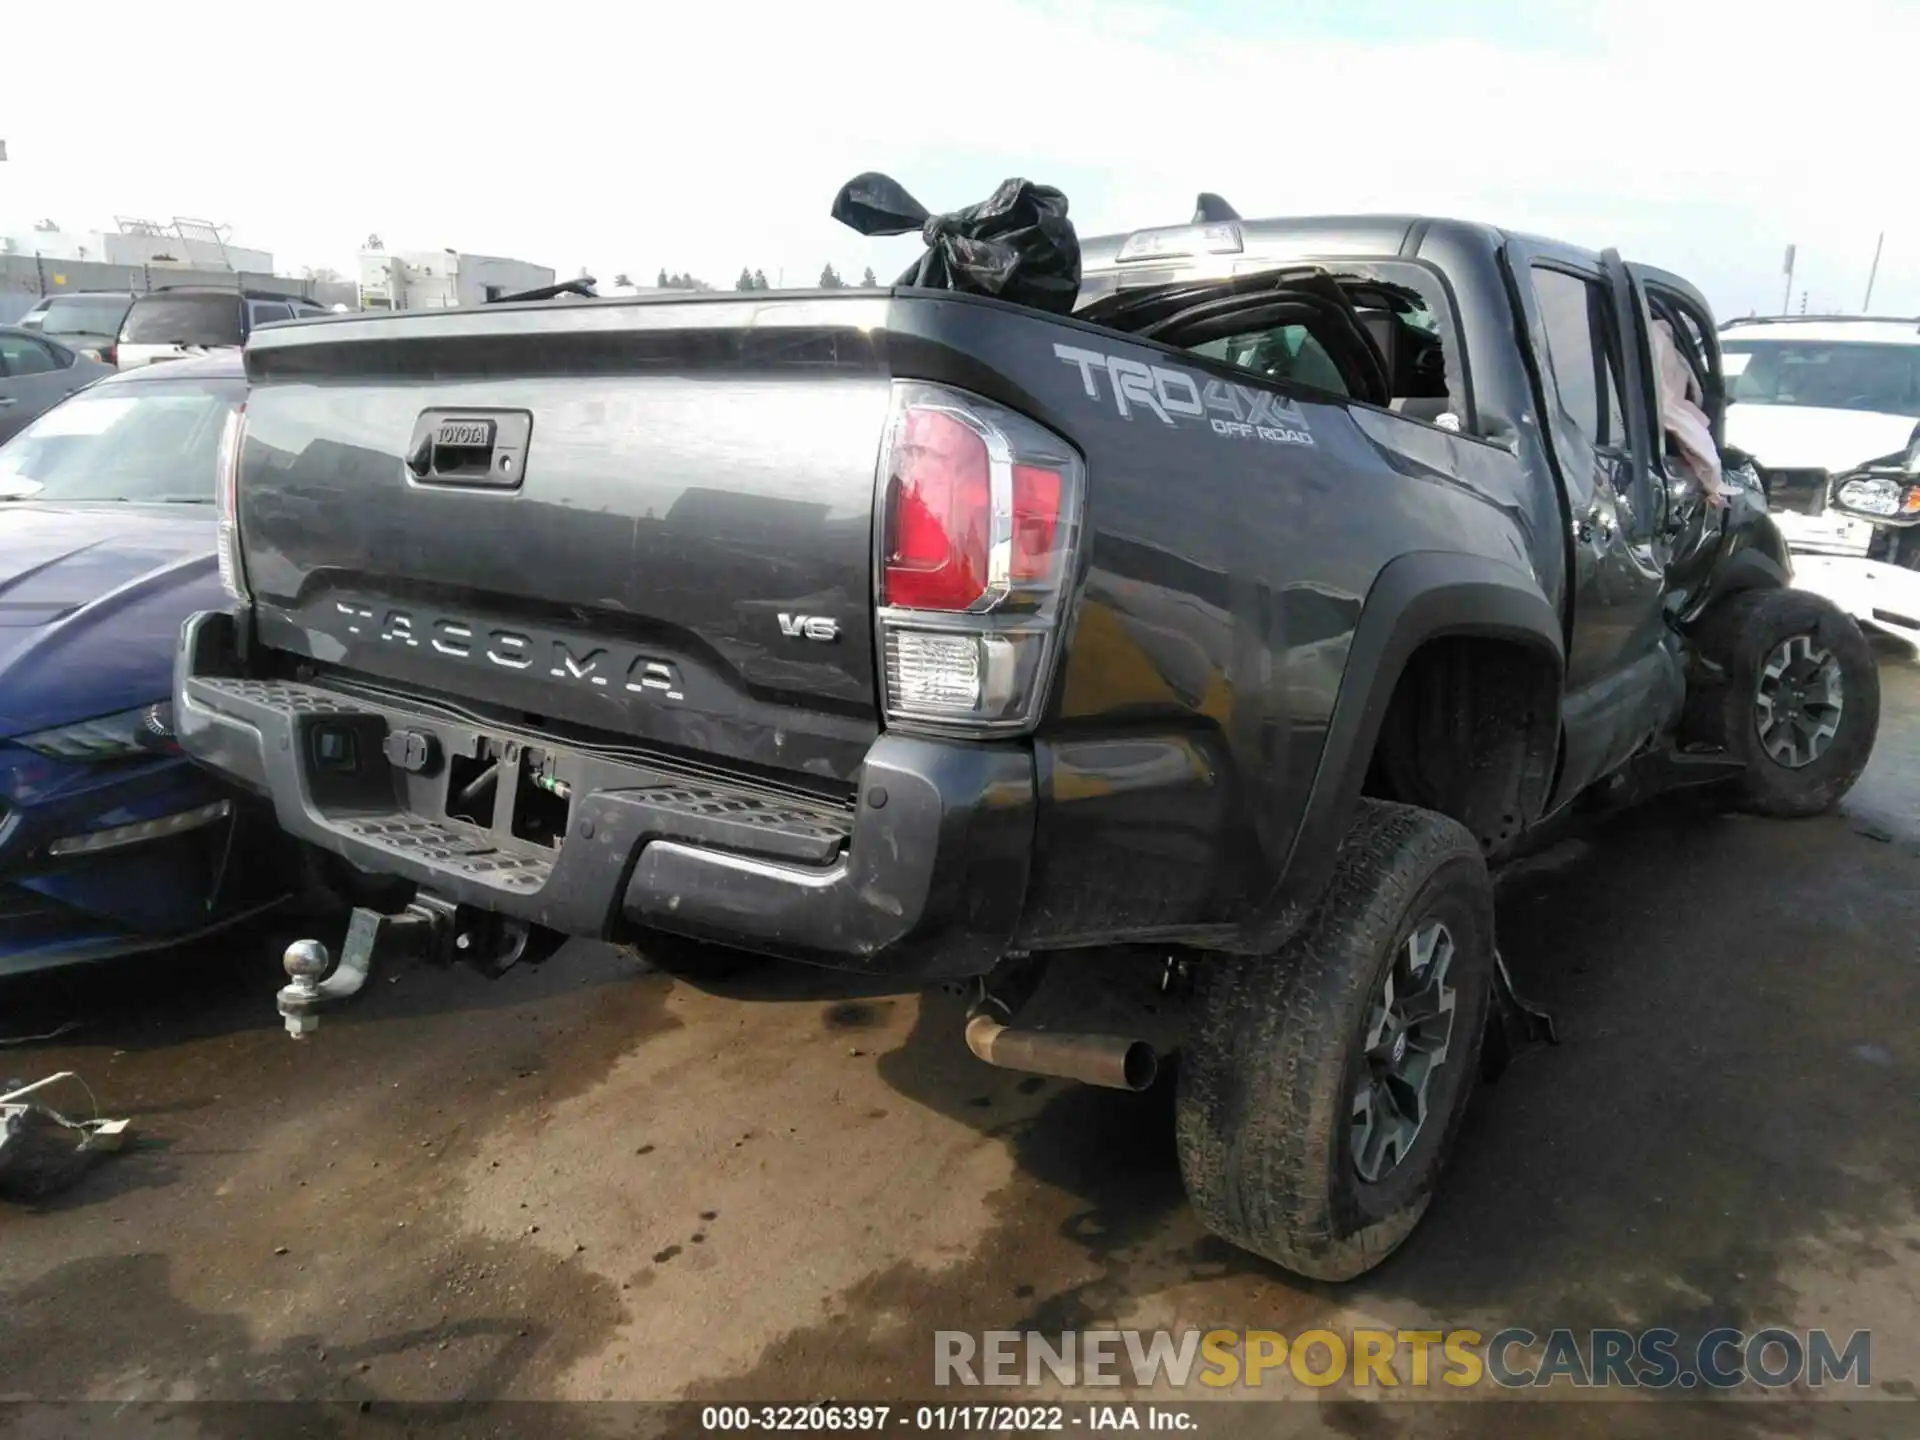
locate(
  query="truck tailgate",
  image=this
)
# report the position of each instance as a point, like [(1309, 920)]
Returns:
[(652, 520)]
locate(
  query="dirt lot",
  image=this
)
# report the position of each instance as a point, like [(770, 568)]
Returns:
[(588, 1181)]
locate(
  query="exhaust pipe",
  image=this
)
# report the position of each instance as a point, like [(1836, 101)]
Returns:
[(1112, 1061)]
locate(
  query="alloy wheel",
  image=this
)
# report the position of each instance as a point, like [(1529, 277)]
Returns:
[(1409, 1032)]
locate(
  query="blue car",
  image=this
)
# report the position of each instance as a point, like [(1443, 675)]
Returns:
[(111, 841)]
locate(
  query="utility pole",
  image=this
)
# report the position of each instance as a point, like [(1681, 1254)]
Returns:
[(1786, 296), (1866, 305)]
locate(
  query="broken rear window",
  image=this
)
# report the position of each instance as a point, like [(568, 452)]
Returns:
[(1287, 353), (1347, 329)]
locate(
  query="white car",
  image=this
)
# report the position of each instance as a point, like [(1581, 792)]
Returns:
[(1819, 402)]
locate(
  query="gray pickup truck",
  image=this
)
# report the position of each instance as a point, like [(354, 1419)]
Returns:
[(1233, 625)]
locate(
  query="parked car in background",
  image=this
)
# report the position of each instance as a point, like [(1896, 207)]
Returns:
[(36, 374), (177, 321), (1829, 408), (111, 840), (88, 322)]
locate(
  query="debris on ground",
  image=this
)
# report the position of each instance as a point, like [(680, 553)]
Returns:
[(41, 1150)]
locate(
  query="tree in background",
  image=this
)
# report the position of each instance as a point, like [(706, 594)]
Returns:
[(678, 281), (661, 283), (830, 278), (760, 280), (621, 282), (867, 280), (322, 274), (745, 282)]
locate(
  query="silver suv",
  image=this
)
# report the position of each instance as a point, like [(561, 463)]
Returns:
[(88, 321)]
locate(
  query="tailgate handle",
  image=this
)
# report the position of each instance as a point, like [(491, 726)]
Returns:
[(485, 448)]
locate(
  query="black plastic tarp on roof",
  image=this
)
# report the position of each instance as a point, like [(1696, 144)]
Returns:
[(1015, 245)]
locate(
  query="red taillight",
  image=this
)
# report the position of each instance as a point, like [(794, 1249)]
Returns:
[(940, 517), (979, 523), (940, 514), (1036, 522)]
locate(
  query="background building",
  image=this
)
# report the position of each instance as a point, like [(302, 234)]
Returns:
[(140, 255), (436, 279), (193, 244)]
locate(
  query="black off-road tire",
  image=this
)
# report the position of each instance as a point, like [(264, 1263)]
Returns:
[(1264, 1105), (1737, 637)]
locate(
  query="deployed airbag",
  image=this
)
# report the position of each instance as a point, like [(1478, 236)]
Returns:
[(1681, 415)]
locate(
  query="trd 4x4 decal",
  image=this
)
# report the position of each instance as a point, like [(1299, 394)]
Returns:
[(1166, 393)]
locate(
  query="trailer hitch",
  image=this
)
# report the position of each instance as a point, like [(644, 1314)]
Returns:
[(442, 930)]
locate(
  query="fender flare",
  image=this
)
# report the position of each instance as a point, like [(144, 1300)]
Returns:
[(1417, 597)]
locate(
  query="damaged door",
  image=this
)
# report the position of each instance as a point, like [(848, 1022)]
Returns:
[(1620, 682)]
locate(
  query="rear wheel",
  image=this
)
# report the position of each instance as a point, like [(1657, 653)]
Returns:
[(1321, 1086), (1797, 700)]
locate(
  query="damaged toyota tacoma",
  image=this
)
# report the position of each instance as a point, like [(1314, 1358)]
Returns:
[(1240, 618)]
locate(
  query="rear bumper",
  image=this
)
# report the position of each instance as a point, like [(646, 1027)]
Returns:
[(922, 876)]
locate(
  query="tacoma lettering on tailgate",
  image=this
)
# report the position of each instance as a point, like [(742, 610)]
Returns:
[(575, 661)]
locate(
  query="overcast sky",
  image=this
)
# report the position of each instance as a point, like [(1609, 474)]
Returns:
[(1693, 134)]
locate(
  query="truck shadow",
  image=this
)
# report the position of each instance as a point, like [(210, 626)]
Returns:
[(225, 985), (1727, 1118), (1724, 1112)]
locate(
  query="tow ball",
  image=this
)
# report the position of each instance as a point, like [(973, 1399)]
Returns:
[(444, 931)]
